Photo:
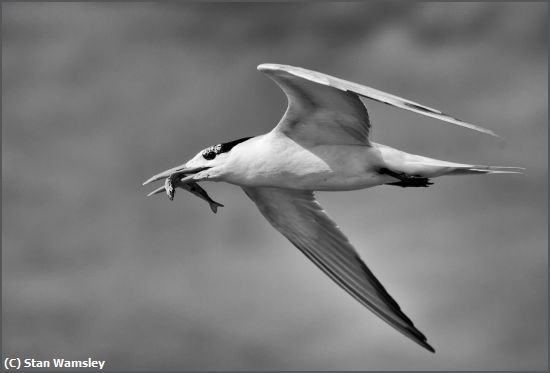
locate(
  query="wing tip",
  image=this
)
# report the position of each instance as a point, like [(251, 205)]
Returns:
[(428, 347), (417, 336), (269, 67), (485, 131)]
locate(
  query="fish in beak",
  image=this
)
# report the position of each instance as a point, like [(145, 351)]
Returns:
[(178, 177), (179, 170)]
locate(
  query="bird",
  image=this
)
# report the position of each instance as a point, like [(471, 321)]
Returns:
[(323, 143)]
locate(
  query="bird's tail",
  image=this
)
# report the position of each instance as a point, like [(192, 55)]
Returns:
[(480, 169), (420, 166), (441, 168)]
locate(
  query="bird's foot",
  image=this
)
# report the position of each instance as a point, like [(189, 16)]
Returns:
[(413, 182), (406, 180)]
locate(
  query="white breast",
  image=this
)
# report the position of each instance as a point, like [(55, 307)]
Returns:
[(275, 160)]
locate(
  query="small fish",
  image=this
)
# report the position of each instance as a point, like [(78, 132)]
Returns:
[(169, 187), (194, 188)]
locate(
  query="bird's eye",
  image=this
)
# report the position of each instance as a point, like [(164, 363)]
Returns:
[(208, 154), (211, 152)]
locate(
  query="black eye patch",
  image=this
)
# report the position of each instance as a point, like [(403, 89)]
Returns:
[(208, 155), (211, 152)]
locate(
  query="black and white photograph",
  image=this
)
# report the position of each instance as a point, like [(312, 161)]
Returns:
[(275, 186)]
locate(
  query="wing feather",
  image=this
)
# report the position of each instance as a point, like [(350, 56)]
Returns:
[(297, 215), (320, 114), (284, 73)]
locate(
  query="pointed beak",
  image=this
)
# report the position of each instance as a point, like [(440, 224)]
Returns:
[(179, 169), (157, 191)]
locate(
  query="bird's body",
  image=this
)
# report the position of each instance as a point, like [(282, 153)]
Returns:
[(277, 161), (322, 144)]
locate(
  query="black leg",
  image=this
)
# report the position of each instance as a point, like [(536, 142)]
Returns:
[(406, 180), (413, 182)]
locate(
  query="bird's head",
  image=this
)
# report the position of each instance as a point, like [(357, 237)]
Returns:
[(204, 165)]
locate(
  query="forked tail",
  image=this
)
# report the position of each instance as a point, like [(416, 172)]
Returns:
[(405, 165), (419, 174), (480, 169), (427, 168)]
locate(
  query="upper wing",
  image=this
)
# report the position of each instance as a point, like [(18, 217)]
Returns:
[(319, 114), (302, 85), (298, 216)]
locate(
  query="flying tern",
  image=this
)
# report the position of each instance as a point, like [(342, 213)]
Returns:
[(322, 143)]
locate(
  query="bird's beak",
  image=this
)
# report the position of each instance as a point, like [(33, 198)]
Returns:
[(157, 191), (179, 170)]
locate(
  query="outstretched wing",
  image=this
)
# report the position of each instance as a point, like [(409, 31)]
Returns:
[(298, 216), (320, 102), (319, 113)]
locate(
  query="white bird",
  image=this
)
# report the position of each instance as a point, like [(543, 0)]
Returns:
[(322, 143)]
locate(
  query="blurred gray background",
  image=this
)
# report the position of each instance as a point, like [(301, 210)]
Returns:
[(98, 97)]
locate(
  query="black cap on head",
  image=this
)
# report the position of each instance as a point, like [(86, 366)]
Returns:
[(213, 151)]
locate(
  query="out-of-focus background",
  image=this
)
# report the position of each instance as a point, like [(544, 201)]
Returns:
[(98, 97)]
